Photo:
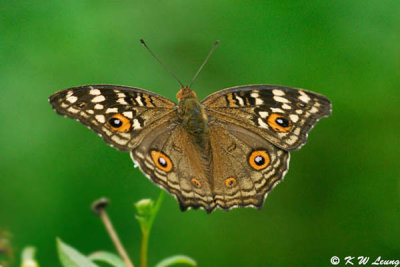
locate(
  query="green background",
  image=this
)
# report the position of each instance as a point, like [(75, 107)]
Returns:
[(341, 195)]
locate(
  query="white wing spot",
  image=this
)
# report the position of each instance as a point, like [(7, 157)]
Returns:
[(90, 111), (136, 124), (121, 95), (286, 106), (314, 110), (304, 97), (98, 106), (259, 101), (72, 99), (276, 110), (84, 115), (255, 94), (299, 111), (281, 135), (112, 110), (294, 117), (99, 98), (122, 101), (278, 92), (100, 118), (263, 114), (262, 124), (94, 92), (139, 100), (128, 114), (240, 100), (297, 131), (73, 110), (281, 99)]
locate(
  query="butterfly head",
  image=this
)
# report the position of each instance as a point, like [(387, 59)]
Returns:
[(184, 93)]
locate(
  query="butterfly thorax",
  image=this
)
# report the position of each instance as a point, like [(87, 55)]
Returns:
[(193, 115)]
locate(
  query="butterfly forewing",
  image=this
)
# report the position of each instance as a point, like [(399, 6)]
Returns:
[(119, 114), (282, 115)]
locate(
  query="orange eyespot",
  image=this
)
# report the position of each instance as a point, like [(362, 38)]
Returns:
[(279, 123), (259, 159), (196, 182), (119, 123), (161, 160), (230, 182)]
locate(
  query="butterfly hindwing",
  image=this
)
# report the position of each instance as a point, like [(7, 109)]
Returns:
[(171, 159), (118, 114), (282, 115), (244, 166), (224, 174)]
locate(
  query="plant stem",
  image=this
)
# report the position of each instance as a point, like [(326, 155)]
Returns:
[(146, 230), (115, 239), (143, 248), (99, 208)]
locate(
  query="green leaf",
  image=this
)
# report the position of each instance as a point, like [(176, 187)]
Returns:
[(70, 257), (107, 257), (178, 259), (28, 257)]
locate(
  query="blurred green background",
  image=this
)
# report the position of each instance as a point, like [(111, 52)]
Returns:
[(341, 195)]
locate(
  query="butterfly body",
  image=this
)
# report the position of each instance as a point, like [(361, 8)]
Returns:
[(192, 115), (227, 150)]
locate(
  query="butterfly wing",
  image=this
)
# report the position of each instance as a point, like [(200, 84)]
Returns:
[(244, 166), (282, 115), (120, 115), (171, 159), (250, 129)]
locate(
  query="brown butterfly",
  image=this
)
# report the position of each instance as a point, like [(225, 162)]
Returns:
[(228, 150)]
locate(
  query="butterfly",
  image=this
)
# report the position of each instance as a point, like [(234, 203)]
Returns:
[(230, 149)]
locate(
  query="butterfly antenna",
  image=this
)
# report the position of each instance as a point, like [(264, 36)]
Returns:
[(159, 61), (204, 63)]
